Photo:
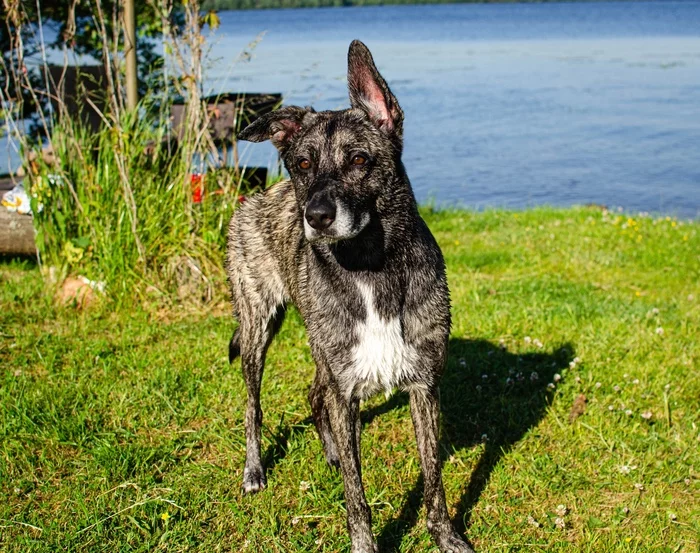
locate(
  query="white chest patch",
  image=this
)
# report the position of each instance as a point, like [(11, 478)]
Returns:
[(381, 359)]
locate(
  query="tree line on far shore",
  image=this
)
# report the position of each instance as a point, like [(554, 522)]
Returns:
[(222, 5)]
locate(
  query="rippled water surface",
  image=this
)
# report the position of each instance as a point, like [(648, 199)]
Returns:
[(506, 104)]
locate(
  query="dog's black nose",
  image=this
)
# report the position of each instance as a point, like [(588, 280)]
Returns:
[(320, 212)]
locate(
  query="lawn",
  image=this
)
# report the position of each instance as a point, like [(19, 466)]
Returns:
[(121, 426)]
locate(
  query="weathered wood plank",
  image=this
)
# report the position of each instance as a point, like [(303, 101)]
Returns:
[(16, 233)]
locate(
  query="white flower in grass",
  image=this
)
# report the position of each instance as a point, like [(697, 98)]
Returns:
[(655, 311), (659, 331), (556, 377), (646, 415), (304, 486), (561, 510), (577, 379), (635, 381), (509, 381), (463, 362), (537, 343), (534, 376), (628, 412), (639, 486), (484, 377), (532, 522), (672, 516), (626, 469), (484, 438), (611, 408), (598, 384), (560, 523), (667, 387), (616, 388), (527, 340), (295, 521), (551, 386)]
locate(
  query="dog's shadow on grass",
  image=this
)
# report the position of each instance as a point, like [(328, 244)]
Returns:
[(489, 396)]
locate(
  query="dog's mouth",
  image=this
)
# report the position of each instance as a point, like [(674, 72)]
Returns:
[(333, 225)]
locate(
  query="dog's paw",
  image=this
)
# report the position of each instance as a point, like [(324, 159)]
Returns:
[(253, 480), (452, 543), (449, 541), (333, 461), (370, 547)]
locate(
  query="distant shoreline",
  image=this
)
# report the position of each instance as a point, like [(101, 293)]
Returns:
[(238, 5)]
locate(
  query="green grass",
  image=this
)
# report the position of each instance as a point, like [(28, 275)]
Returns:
[(121, 428)]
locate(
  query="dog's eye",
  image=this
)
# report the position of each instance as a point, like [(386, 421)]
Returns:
[(359, 160), (304, 164)]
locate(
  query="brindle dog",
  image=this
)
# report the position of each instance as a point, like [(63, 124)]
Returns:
[(343, 240)]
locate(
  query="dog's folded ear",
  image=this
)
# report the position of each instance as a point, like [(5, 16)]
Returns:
[(278, 126), (370, 93)]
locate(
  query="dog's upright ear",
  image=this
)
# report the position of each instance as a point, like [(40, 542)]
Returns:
[(278, 126), (370, 93)]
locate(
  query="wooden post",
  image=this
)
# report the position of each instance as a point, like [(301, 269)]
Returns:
[(132, 94)]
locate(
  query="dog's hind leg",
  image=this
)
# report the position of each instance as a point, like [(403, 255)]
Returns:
[(319, 411), (234, 346), (425, 412), (256, 333)]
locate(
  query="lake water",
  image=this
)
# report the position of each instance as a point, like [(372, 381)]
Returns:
[(507, 105)]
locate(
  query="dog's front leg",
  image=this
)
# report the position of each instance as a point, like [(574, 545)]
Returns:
[(344, 419), (425, 412)]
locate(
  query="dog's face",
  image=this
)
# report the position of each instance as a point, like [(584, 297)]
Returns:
[(340, 162)]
